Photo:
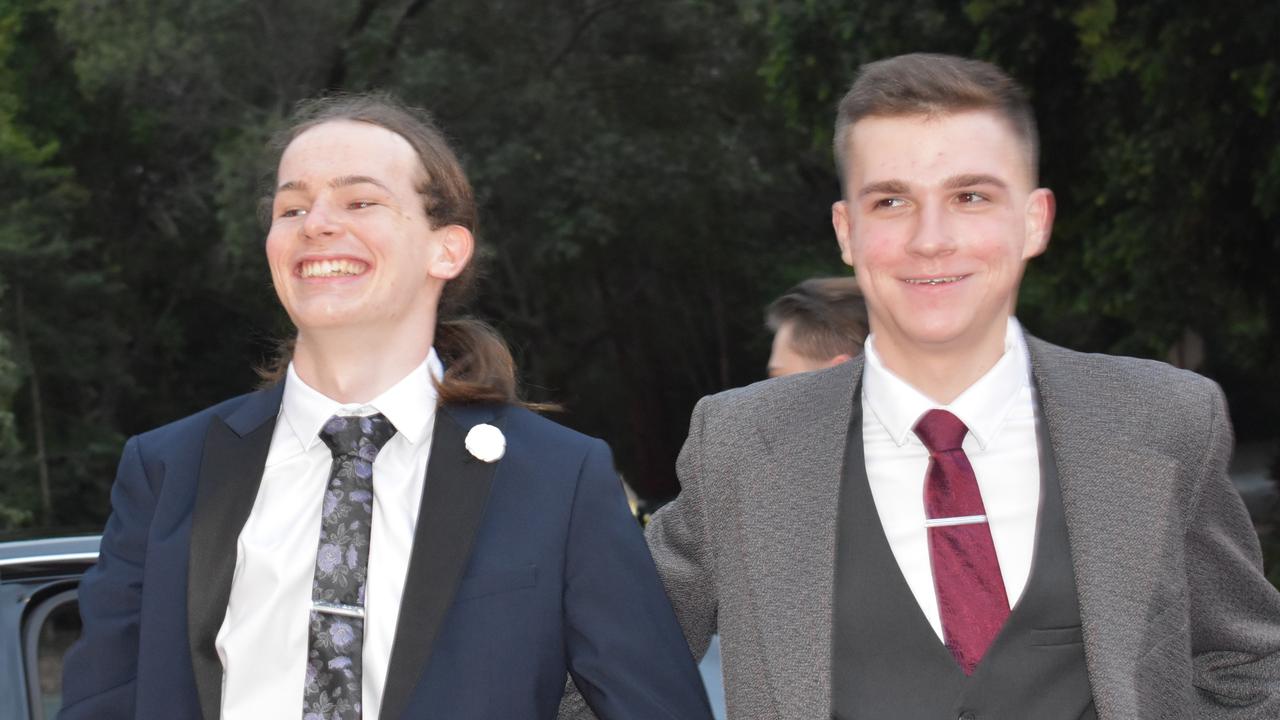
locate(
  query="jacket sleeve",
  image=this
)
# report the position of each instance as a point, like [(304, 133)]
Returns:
[(681, 550), (1234, 610), (100, 671), (682, 547), (626, 653)]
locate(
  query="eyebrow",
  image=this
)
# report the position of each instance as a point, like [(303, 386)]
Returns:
[(963, 181), (955, 182), (344, 181), (886, 187)]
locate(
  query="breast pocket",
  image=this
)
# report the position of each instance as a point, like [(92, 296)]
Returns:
[(494, 582)]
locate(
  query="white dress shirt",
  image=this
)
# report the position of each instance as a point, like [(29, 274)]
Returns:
[(263, 639), (999, 410)]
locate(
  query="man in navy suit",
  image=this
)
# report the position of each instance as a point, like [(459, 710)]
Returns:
[(383, 531)]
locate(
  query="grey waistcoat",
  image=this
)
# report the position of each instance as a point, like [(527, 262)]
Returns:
[(887, 662)]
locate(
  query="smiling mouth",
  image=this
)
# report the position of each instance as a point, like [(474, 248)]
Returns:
[(936, 281), (331, 268)]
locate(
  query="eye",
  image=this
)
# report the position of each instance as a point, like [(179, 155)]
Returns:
[(360, 204), (293, 212), (890, 203), (970, 197)]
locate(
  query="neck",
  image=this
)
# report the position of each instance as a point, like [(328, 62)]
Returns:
[(942, 373), (351, 366)]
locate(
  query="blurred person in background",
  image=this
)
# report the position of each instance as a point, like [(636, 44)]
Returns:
[(819, 323)]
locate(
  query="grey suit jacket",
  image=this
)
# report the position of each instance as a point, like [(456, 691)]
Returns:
[(1178, 620)]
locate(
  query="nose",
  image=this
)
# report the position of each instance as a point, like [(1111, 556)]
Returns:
[(320, 220), (932, 234)]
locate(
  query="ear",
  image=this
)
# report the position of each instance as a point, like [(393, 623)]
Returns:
[(454, 247), (1041, 207), (838, 360), (843, 224)]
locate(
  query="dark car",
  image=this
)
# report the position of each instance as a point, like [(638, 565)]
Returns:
[(39, 619)]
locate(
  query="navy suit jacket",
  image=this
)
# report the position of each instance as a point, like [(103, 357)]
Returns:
[(521, 570)]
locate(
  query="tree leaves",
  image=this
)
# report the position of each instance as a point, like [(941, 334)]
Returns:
[(651, 174)]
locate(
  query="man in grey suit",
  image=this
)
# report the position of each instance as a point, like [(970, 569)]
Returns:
[(966, 521)]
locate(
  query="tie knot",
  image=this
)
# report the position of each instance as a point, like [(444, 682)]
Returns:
[(358, 436), (941, 431)]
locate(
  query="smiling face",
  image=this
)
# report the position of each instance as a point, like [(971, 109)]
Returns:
[(938, 221), (350, 244)]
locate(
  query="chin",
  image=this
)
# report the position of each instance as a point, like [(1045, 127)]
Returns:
[(328, 319), (939, 336)]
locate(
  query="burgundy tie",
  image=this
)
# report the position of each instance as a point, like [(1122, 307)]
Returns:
[(966, 572)]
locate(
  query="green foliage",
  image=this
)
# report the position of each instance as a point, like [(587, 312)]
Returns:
[(10, 380), (627, 186), (1160, 139), (34, 249), (12, 518), (651, 175)]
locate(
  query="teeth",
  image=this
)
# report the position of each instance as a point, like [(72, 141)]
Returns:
[(331, 268), (936, 281)]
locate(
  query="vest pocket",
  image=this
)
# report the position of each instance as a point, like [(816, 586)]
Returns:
[(1048, 637)]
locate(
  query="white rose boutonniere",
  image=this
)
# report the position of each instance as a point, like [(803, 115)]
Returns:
[(486, 443)]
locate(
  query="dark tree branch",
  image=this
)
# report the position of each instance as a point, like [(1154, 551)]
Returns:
[(338, 65), (579, 29), (397, 33)]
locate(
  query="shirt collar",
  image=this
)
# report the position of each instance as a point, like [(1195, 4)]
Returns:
[(410, 404), (982, 407)]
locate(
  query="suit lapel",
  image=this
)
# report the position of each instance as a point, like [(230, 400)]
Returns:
[(235, 452), (1111, 513), (453, 501), (789, 510)]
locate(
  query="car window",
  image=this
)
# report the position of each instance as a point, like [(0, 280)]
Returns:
[(50, 629)]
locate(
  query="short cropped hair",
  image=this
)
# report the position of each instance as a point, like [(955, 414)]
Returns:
[(828, 317), (932, 85)]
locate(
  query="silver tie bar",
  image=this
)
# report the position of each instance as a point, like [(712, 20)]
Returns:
[(960, 520), (321, 606)]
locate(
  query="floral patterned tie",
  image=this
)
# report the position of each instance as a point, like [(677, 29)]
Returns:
[(334, 660)]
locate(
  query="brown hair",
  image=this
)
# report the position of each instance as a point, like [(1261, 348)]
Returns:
[(828, 317), (478, 364), (928, 84)]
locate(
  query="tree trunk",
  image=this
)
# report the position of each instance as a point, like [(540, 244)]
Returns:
[(37, 410)]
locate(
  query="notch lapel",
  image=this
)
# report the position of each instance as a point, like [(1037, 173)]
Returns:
[(454, 497), (235, 453), (789, 508), (1112, 515)]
